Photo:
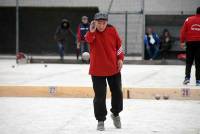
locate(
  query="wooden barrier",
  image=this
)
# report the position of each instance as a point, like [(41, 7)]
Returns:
[(181, 93)]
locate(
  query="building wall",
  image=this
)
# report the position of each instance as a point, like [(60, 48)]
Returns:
[(37, 26), (151, 6), (171, 6), (102, 4), (135, 21)]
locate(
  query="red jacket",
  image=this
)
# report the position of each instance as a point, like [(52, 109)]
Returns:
[(81, 31), (105, 51), (191, 29)]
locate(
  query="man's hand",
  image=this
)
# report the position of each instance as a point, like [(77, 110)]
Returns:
[(93, 26), (120, 64), (182, 45)]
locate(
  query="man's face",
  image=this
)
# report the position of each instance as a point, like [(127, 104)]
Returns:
[(166, 34), (149, 30), (101, 25), (65, 24), (85, 20)]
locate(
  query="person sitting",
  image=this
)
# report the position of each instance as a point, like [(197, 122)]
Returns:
[(166, 43), (152, 43)]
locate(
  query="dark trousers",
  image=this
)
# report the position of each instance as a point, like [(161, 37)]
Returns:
[(192, 54), (164, 50), (100, 86), (84, 47), (61, 49), (152, 51)]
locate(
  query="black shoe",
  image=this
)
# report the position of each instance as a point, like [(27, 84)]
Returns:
[(186, 81), (198, 83)]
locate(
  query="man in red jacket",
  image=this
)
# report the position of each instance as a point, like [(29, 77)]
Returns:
[(82, 29), (190, 34), (106, 60)]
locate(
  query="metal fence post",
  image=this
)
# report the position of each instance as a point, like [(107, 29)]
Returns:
[(126, 31), (17, 29), (143, 29)]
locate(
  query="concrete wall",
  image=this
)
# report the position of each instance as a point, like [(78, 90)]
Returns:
[(135, 21), (37, 27), (151, 6), (118, 5), (171, 6), (102, 4)]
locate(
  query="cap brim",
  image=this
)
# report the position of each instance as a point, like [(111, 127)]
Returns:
[(100, 19)]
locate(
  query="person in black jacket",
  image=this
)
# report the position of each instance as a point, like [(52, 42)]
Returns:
[(63, 32), (166, 43)]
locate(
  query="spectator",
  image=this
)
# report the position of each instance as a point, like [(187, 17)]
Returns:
[(166, 41), (152, 43), (82, 45), (63, 32), (190, 35)]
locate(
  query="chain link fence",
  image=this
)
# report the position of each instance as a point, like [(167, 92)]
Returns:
[(131, 27)]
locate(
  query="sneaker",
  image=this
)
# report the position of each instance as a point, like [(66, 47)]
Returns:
[(186, 81), (116, 121), (100, 126), (198, 83)]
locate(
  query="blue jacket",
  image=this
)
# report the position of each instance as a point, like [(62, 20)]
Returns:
[(156, 38)]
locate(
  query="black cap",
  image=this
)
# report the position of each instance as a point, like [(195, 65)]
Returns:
[(198, 10), (65, 20), (101, 16)]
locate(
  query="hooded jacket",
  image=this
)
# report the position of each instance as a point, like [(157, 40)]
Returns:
[(105, 51)]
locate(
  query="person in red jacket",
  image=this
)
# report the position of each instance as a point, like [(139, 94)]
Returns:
[(106, 60), (82, 29), (190, 34)]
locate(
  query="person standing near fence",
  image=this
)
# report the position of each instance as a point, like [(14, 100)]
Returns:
[(190, 35), (82, 45), (63, 32), (106, 60)]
